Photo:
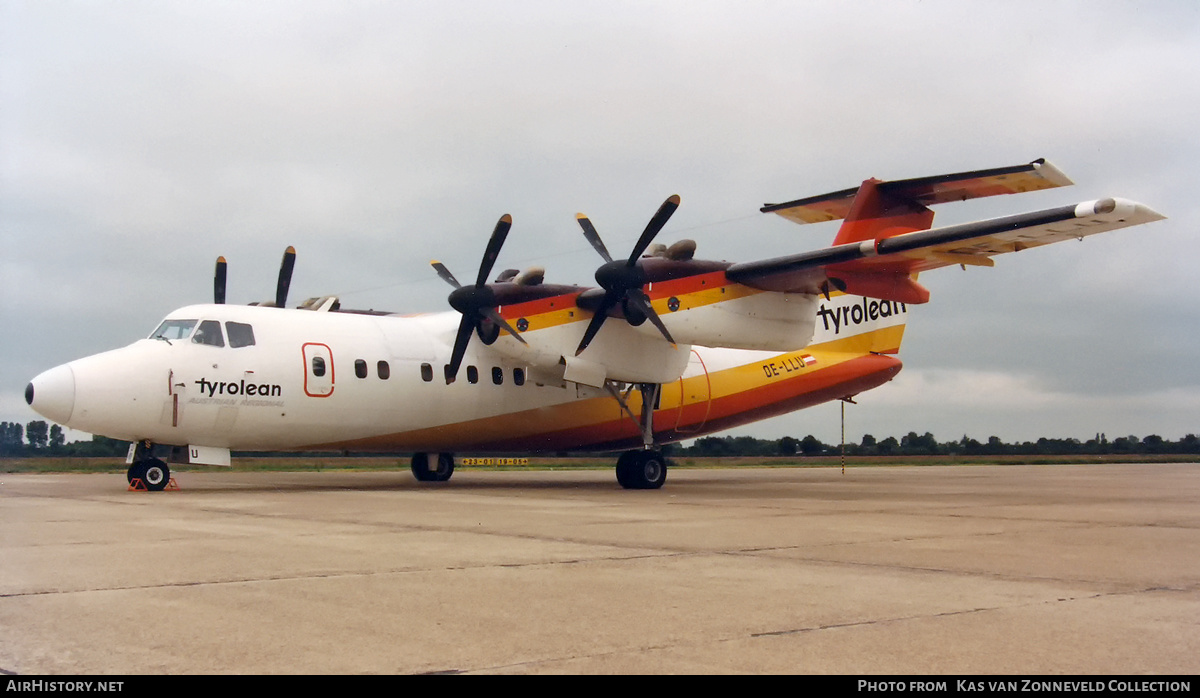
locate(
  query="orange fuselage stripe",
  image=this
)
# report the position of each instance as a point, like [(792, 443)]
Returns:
[(691, 292)]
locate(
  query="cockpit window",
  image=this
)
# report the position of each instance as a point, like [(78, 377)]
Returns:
[(174, 329), (240, 334), (209, 333)]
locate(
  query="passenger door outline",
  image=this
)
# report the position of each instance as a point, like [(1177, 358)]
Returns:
[(316, 355)]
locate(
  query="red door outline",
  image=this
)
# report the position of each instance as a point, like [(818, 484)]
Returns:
[(314, 385)]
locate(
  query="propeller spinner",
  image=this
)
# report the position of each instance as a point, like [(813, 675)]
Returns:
[(477, 303), (622, 281)]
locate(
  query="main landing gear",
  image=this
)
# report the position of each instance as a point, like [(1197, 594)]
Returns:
[(432, 467), (151, 472), (644, 469)]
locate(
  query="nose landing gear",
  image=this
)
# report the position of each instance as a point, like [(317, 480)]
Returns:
[(146, 471)]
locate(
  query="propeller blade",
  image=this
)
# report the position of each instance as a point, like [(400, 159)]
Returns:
[(443, 272), (589, 232), (465, 327), (285, 277), (493, 249), (639, 298), (597, 321), (656, 224), (491, 314), (219, 282)]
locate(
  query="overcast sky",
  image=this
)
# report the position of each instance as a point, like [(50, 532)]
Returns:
[(140, 140)]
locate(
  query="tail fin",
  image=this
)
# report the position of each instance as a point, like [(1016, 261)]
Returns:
[(876, 213)]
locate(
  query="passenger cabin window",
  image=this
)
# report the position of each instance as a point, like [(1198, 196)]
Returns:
[(472, 375), (519, 376), (209, 333), (174, 329), (385, 371), (318, 366), (497, 375), (240, 334), (360, 368), (426, 372)]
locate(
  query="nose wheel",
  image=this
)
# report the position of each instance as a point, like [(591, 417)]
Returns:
[(151, 472)]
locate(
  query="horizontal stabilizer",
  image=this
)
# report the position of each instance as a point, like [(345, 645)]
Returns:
[(927, 191), (900, 256)]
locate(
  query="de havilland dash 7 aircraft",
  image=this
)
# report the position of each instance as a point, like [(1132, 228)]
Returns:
[(666, 347)]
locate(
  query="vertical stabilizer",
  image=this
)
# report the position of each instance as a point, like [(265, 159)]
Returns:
[(877, 213)]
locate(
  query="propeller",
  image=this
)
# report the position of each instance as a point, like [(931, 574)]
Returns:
[(477, 303), (219, 282), (622, 281), (281, 286), (285, 277)]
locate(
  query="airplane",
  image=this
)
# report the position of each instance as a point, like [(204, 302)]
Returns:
[(666, 347)]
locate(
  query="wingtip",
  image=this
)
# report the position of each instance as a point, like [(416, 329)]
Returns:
[(1050, 173)]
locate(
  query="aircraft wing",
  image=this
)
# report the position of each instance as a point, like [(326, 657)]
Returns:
[(928, 191), (969, 243)]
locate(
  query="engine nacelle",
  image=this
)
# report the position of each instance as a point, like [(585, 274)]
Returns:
[(765, 321)]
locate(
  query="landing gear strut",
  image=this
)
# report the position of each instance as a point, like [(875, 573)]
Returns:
[(644, 469), (152, 472), (432, 467)]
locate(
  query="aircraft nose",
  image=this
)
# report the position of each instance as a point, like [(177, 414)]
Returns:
[(52, 394)]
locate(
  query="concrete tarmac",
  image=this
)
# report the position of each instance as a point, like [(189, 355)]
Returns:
[(1080, 569)]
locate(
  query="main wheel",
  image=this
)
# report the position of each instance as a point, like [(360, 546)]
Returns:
[(641, 470), (156, 475), (420, 467), (426, 469), (445, 467), (625, 464)]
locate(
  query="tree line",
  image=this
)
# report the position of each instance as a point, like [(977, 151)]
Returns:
[(913, 444), (37, 438)]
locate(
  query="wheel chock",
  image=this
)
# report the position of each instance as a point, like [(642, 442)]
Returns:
[(136, 485)]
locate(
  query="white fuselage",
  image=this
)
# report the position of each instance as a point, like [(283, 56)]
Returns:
[(257, 378)]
